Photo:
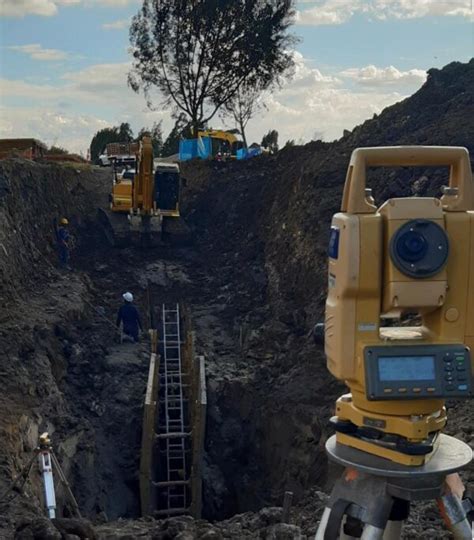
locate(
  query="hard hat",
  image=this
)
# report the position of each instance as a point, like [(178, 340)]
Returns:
[(128, 297), (64, 221)]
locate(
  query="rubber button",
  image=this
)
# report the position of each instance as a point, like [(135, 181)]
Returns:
[(448, 367), (402, 390), (462, 377), (461, 368), (462, 387), (450, 386), (448, 377), (447, 358), (416, 390), (430, 389), (387, 390)]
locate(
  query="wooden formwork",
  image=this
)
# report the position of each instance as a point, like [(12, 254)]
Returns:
[(199, 434), (195, 366), (148, 429)]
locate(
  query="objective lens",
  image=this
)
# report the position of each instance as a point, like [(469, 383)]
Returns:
[(411, 246)]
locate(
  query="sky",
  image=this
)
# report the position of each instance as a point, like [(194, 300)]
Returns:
[(64, 66)]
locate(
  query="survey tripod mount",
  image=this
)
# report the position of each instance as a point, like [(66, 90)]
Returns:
[(47, 460), (372, 498)]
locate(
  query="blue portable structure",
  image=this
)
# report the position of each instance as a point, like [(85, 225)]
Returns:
[(195, 148)]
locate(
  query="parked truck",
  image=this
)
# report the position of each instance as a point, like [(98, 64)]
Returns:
[(119, 154)]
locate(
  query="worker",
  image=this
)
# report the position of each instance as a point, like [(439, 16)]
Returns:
[(130, 318), (63, 239)]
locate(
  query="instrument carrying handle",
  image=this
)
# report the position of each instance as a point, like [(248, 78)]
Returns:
[(459, 199)]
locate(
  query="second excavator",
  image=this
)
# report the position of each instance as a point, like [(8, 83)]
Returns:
[(144, 204)]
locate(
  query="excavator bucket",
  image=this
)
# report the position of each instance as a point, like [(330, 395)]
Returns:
[(122, 230)]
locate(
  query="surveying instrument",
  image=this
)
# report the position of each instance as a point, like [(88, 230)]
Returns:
[(46, 457), (411, 259)]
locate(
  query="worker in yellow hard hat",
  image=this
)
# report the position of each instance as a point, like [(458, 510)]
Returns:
[(63, 238)]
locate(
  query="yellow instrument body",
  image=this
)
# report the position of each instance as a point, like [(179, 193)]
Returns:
[(365, 288)]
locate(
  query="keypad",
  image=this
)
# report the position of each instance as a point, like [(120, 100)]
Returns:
[(455, 372)]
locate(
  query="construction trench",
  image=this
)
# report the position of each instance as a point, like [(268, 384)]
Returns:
[(252, 285)]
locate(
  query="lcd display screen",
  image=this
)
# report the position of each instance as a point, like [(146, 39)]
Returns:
[(406, 368)]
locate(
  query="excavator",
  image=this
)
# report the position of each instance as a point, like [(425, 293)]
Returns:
[(222, 141), (144, 204)]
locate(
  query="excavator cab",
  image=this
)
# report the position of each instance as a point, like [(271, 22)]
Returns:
[(167, 188)]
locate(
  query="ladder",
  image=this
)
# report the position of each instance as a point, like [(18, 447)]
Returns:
[(174, 432)]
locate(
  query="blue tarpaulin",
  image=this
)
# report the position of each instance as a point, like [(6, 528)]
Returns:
[(195, 148), (246, 153)]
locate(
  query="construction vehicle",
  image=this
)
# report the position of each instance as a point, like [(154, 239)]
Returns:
[(399, 329), (144, 209), (119, 154), (223, 142), (210, 144)]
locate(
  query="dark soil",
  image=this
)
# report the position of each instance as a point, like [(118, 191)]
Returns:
[(255, 284)]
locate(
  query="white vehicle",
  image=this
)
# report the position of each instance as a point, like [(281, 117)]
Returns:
[(104, 160)]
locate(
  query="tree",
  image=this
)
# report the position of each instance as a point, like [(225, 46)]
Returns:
[(198, 53), (156, 134), (242, 107), (270, 141), (181, 129), (125, 133)]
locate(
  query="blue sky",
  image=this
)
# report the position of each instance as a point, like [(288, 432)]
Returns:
[(63, 65)]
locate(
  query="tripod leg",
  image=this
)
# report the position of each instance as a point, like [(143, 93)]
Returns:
[(67, 487), (322, 524), (454, 516), (372, 533), (393, 530)]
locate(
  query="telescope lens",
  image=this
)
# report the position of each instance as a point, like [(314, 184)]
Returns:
[(419, 248), (411, 246)]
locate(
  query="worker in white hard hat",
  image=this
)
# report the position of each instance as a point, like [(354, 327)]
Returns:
[(129, 317)]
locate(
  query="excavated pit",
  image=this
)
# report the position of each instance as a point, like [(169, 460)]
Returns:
[(255, 283)]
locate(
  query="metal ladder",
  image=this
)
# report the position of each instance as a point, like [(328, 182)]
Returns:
[(174, 431)]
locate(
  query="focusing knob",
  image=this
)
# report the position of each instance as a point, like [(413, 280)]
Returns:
[(420, 248)]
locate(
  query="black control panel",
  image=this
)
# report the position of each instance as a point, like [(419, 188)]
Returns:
[(418, 372)]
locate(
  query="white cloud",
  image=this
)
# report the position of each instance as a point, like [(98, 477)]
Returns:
[(48, 8), (112, 3), (330, 12), (117, 25), (20, 8), (91, 98), (36, 52), (389, 76), (71, 130), (313, 101), (411, 9), (340, 11)]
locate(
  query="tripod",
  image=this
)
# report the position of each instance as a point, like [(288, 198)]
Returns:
[(372, 498), (46, 459)]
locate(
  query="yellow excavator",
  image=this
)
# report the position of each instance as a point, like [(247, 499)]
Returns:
[(222, 141), (144, 203)]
